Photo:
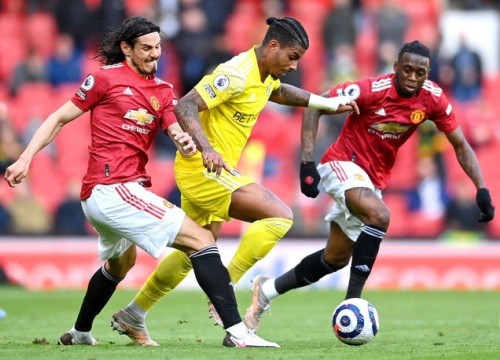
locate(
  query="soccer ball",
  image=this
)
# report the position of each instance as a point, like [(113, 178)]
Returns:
[(355, 321)]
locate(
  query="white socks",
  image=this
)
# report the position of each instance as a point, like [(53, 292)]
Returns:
[(238, 331), (269, 290), (136, 311)]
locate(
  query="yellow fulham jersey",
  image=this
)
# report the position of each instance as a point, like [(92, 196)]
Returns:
[(235, 96)]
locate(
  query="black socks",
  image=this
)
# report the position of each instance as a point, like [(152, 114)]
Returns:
[(363, 257), (215, 282), (312, 268), (101, 287)]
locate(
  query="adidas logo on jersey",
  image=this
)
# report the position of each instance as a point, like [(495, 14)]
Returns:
[(127, 91), (380, 112)]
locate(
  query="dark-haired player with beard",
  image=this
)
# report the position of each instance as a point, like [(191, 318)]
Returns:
[(356, 167), (128, 105)]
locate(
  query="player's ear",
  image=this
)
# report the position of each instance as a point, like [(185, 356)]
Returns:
[(395, 66), (126, 49), (273, 45)]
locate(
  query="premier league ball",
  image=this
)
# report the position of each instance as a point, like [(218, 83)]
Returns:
[(355, 321)]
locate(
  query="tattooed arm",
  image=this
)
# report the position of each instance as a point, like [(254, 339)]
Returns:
[(187, 112), (466, 157), (310, 120), (290, 95), (293, 96)]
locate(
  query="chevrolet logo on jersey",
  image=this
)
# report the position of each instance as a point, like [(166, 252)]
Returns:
[(390, 127), (141, 116)]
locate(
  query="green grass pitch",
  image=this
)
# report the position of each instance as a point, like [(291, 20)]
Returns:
[(414, 325)]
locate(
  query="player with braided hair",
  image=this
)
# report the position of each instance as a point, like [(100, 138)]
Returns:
[(219, 113)]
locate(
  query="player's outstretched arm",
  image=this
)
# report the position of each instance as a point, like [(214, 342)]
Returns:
[(469, 163), (49, 129), (294, 96), (187, 112)]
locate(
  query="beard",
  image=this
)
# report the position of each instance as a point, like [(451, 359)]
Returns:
[(145, 72)]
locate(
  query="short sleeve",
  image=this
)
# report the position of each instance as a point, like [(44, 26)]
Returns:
[(168, 117), (358, 91), (443, 115), (91, 91), (223, 84)]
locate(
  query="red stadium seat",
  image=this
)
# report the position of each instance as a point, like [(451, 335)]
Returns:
[(4, 93), (89, 65), (72, 148), (33, 100), (162, 175), (13, 7), (11, 25), (239, 24), (404, 174), (46, 181), (400, 218), (16, 50), (41, 33), (137, 7)]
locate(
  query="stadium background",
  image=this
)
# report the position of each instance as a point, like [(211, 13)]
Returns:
[(47, 48)]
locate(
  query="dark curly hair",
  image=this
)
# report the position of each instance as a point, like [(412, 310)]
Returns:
[(287, 31), (415, 47), (110, 52)]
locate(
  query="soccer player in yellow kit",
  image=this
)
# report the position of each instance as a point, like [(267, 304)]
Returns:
[(219, 114)]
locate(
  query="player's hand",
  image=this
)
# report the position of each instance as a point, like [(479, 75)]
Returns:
[(340, 104), (213, 161), (187, 147), (309, 179), (485, 204), (16, 172), (351, 107)]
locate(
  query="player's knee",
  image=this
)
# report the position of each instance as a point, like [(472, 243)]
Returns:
[(379, 216), (205, 239), (287, 214), (282, 212), (120, 267)]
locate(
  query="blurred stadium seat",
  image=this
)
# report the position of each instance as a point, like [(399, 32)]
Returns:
[(34, 100), (15, 47), (41, 33)]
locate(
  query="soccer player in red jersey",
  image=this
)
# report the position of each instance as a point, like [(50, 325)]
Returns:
[(128, 105), (356, 168)]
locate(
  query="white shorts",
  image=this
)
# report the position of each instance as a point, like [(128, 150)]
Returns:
[(126, 213), (336, 178)]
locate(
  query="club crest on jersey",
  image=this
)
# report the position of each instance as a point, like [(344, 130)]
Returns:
[(168, 204), (140, 115), (221, 82), (417, 116), (88, 83), (359, 177), (155, 103)]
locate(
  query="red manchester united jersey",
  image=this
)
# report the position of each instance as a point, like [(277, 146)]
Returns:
[(386, 120), (126, 111)]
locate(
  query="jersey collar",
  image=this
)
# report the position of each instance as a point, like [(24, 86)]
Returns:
[(151, 77)]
